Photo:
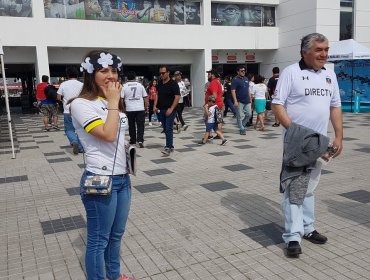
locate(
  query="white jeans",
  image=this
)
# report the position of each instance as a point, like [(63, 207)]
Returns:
[(299, 219)]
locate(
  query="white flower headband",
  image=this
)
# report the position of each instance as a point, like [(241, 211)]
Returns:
[(98, 62)]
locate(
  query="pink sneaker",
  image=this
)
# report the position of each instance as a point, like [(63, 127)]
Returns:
[(125, 277)]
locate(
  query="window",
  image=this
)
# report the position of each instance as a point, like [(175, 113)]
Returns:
[(346, 20), (229, 14)]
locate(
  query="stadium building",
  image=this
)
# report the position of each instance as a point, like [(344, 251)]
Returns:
[(43, 37)]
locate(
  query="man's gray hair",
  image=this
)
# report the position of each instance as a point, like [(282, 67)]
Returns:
[(307, 41)]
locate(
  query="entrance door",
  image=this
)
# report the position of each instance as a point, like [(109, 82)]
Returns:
[(230, 69)]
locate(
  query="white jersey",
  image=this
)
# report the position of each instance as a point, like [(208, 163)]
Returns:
[(133, 94), (307, 95), (211, 118), (259, 91), (69, 89), (183, 91), (99, 154)]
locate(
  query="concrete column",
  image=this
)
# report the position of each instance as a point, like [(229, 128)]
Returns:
[(42, 62), (206, 13), (202, 62), (38, 9)]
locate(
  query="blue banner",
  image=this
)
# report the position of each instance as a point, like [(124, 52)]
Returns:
[(353, 78)]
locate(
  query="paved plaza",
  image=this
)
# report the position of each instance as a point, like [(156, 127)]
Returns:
[(207, 212)]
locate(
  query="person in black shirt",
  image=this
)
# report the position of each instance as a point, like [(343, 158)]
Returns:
[(228, 98), (165, 104), (271, 85)]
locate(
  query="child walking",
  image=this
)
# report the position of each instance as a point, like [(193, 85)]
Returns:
[(209, 110)]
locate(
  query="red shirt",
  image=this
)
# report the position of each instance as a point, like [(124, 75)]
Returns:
[(215, 86), (40, 91), (152, 92)]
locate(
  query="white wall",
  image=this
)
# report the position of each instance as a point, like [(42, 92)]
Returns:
[(63, 41), (362, 22), (297, 18), (43, 40)]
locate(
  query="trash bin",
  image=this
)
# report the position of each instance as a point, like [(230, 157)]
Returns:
[(357, 103)]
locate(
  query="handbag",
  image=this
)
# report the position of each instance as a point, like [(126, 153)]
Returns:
[(100, 184), (130, 159), (268, 105)]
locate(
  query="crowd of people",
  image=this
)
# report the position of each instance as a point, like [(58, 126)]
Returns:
[(100, 110)]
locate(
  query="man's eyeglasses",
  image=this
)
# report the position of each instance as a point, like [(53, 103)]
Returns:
[(162, 73)]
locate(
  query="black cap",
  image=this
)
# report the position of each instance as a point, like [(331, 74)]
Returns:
[(214, 72)]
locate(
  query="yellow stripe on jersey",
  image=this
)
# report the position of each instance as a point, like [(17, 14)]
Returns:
[(93, 124)]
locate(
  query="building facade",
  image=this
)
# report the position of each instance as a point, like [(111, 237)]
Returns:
[(41, 37)]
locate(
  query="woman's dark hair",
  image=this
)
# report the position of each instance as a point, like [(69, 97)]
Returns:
[(258, 79), (250, 76), (151, 83), (90, 90)]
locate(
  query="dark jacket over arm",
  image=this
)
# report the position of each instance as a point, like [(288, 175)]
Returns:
[(302, 147)]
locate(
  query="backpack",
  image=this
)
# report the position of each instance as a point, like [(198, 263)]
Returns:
[(51, 93), (218, 115)]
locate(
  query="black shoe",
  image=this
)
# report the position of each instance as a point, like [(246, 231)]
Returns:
[(293, 249), (216, 137), (75, 148), (276, 125), (243, 132), (201, 143), (141, 145), (316, 237)]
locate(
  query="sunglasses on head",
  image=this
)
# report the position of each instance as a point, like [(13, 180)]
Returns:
[(162, 73), (242, 70)]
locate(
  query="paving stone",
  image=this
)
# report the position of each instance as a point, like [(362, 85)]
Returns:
[(163, 160), (156, 172), (54, 154), (62, 224), (56, 160), (266, 235), (360, 196), (151, 187), (218, 186), (198, 221), (237, 167), (13, 179), (220, 154)]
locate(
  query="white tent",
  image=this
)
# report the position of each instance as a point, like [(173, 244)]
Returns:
[(6, 99), (348, 50)]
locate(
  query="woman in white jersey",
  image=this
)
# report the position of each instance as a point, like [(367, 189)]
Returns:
[(97, 115), (259, 93)]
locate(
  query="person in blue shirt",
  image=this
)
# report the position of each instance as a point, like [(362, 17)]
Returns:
[(242, 99)]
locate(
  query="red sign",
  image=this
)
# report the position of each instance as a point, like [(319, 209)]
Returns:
[(250, 57), (231, 57), (214, 58)]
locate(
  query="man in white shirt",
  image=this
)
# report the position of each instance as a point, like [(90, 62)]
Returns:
[(136, 101), (308, 94), (180, 106), (68, 90)]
